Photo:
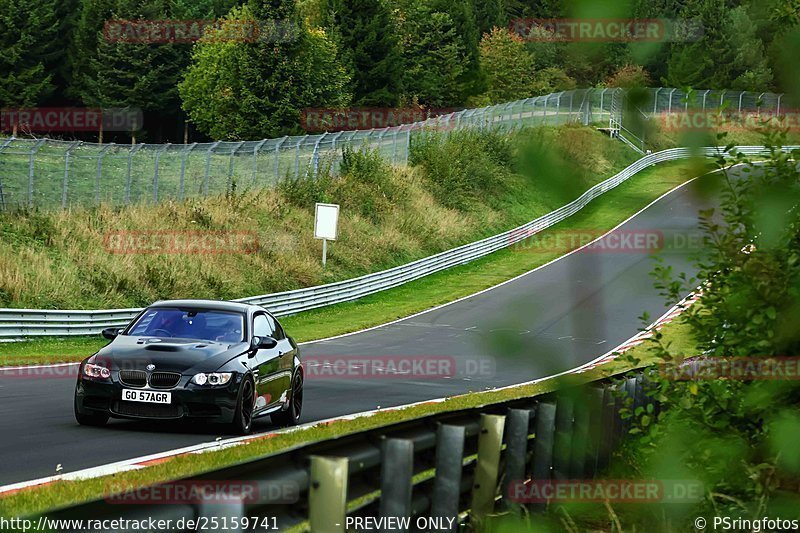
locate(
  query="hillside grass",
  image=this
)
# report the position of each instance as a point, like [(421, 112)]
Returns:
[(467, 186)]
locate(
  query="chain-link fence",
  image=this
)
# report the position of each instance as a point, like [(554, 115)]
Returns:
[(47, 174)]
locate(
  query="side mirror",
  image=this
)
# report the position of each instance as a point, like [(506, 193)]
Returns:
[(263, 342), (110, 333)]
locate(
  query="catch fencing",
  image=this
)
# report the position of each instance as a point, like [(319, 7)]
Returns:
[(53, 174), (20, 323)]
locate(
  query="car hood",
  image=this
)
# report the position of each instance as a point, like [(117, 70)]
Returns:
[(169, 355)]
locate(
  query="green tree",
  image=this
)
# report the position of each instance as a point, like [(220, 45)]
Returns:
[(30, 44), (730, 54), (507, 66), (462, 14), (435, 56), (490, 13), (253, 90), (370, 47)]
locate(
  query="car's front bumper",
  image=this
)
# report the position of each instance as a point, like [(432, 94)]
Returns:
[(188, 401)]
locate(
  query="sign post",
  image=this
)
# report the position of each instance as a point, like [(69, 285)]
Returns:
[(326, 220)]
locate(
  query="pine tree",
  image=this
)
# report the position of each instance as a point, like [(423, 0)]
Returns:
[(490, 14), (30, 45), (435, 56), (369, 46)]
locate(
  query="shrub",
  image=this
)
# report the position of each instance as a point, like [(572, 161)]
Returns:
[(464, 166)]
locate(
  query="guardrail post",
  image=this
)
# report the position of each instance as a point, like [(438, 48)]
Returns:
[(230, 513), (608, 423), (595, 409), (449, 463), (543, 445), (516, 448), (580, 437), (397, 467), (630, 392), (327, 494), (563, 438), (484, 488)]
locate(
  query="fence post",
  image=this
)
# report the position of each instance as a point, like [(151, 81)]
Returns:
[(397, 468), (484, 487), (66, 173), (297, 156), (256, 149), (155, 171), (516, 449), (778, 109), (655, 100), (315, 155), (98, 174), (208, 167), (2, 195), (131, 152), (230, 165), (184, 156), (449, 462), (327, 494), (608, 428), (278, 158), (30, 169)]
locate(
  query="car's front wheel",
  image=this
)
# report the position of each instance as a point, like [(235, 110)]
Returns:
[(291, 416), (243, 417), (89, 419)]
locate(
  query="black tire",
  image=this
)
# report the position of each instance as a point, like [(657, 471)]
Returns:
[(243, 417), (89, 419), (291, 416)]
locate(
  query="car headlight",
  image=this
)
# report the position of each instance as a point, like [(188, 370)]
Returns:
[(214, 378), (96, 371)]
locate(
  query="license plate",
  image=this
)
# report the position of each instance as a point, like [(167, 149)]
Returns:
[(147, 396)]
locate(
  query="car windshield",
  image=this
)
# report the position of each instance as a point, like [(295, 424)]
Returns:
[(201, 324)]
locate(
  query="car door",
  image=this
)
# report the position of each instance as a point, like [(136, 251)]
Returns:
[(268, 363), (286, 354)]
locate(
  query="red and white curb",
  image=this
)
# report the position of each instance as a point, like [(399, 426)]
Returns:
[(647, 333)]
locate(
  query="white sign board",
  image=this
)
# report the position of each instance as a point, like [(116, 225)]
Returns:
[(326, 220)]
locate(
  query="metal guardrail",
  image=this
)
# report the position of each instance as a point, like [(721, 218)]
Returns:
[(457, 465), (19, 323), (55, 174)]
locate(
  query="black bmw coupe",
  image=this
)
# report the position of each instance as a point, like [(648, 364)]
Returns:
[(220, 362)]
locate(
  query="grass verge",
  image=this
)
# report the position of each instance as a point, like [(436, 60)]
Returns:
[(601, 215)]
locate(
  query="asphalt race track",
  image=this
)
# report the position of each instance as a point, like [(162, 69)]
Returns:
[(547, 321)]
